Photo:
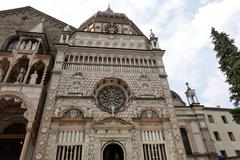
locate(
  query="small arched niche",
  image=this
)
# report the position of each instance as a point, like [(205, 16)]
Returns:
[(149, 114), (73, 113), (19, 70), (36, 73)]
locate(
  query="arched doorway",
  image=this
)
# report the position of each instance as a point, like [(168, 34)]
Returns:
[(186, 142), (13, 122), (11, 141), (113, 151)]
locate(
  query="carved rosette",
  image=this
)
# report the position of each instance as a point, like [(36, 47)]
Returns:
[(112, 95)]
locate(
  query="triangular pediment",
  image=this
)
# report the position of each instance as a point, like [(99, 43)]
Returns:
[(112, 122), (35, 12)]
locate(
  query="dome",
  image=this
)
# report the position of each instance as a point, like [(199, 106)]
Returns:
[(177, 100), (109, 17)]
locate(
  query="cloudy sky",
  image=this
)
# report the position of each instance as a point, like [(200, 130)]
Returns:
[(183, 28)]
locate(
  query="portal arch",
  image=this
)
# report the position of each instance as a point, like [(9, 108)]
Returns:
[(113, 151)]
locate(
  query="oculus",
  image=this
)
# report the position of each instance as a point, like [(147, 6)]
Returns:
[(112, 95), (111, 28), (111, 98)]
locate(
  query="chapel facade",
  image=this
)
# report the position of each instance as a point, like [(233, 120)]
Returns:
[(97, 92), (108, 96)]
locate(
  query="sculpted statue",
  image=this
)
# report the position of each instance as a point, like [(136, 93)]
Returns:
[(34, 77), (21, 75), (28, 45), (22, 45), (34, 46)]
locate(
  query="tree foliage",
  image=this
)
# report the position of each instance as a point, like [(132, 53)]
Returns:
[(229, 60)]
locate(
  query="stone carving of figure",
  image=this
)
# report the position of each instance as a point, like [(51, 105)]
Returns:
[(113, 109), (34, 46), (57, 112), (21, 75), (1, 74), (22, 45), (34, 77), (28, 45), (88, 111), (149, 114)]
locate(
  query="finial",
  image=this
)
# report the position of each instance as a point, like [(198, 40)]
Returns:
[(67, 28), (188, 85), (109, 8), (151, 33)]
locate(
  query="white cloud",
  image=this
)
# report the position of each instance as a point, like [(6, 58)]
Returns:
[(215, 91), (189, 55)]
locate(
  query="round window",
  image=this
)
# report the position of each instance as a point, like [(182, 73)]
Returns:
[(112, 95)]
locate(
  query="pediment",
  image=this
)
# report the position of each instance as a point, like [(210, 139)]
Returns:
[(112, 123), (35, 12)]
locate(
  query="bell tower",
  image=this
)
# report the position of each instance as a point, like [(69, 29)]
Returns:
[(191, 95)]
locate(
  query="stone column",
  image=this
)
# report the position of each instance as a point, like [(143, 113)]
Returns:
[(27, 73), (26, 143), (44, 74), (8, 72), (29, 68)]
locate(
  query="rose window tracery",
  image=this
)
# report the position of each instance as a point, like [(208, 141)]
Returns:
[(112, 95)]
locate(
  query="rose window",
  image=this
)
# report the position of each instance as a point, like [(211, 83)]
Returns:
[(112, 95)]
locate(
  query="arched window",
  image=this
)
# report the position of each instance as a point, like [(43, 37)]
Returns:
[(186, 142), (154, 62), (19, 70), (71, 58), (11, 43), (66, 58), (36, 73), (4, 65)]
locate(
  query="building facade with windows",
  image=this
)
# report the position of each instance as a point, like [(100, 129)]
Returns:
[(97, 92), (197, 120), (228, 138)]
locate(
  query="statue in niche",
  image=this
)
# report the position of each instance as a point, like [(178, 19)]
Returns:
[(149, 114), (34, 77), (34, 46), (1, 74), (21, 75), (22, 45), (28, 45)]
